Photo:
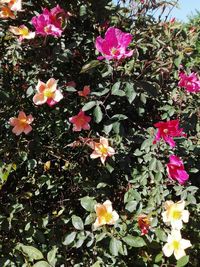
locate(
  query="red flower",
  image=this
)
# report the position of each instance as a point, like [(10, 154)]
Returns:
[(167, 130), (85, 92), (80, 121)]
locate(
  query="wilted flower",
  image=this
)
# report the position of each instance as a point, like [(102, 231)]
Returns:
[(176, 244), (22, 31), (175, 214), (105, 214), (47, 93), (168, 130), (114, 45), (49, 22), (176, 171), (85, 92), (144, 223), (80, 121), (6, 12), (102, 150), (21, 123), (190, 82)]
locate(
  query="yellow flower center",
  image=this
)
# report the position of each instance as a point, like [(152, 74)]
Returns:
[(103, 150), (24, 31), (176, 214), (176, 244), (48, 93), (108, 217)]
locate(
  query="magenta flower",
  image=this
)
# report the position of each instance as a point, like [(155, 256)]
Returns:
[(49, 22), (190, 82), (176, 171), (167, 130), (80, 121), (114, 45)]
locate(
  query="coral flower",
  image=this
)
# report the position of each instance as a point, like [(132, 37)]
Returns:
[(175, 214), (49, 22), (22, 31), (144, 223), (102, 150), (105, 214), (176, 171), (5, 12), (47, 93), (21, 123), (114, 45), (168, 130), (14, 5), (176, 244), (190, 82), (80, 121), (85, 92)]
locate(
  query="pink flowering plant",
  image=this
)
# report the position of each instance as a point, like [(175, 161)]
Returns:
[(99, 135), (49, 22), (114, 45)]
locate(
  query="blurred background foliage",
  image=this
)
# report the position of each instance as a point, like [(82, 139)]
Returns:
[(47, 189)]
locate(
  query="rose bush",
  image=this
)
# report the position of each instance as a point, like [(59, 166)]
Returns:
[(135, 109)]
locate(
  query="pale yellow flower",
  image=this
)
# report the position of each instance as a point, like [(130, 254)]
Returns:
[(175, 214), (176, 244), (22, 31), (105, 214)]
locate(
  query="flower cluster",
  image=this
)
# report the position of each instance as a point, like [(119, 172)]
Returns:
[(166, 131), (49, 22), (174, 215), (190, 82)]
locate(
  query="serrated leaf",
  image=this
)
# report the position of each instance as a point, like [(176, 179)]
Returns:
[(98, 115), (41, 264), (114, 246), (88, 203), (130, 92), (69, 238), (89, 105), (32, 252), (51, 256), (92, 64), (161, 234), (77, 222), (134, 241), (182, 261)]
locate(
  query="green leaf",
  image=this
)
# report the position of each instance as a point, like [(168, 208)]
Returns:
[(182, 261), (131, 206), (133, 241), (116, 91), (161, 234), (51, 255), (70, 89), (41, 264), (130, 92), (69, 238), (32, 252), (96, 264), (77, 222), (115, 246), (152, 164), (98, 115), (92, 64), (89, 105), (88, 203)]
